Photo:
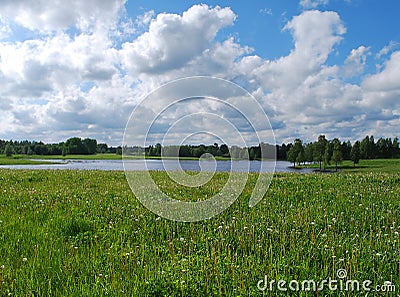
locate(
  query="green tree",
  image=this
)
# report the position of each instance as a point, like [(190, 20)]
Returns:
[(327, 154), (291, 155), (309, 152), (75, 146), (337, 156), (395, 148), (296, 152), (224, 150), (319, 150), (355, 153), (368, 148), (90, 146), (8, 150)]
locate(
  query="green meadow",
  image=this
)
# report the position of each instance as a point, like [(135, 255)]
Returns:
[(83, 233)]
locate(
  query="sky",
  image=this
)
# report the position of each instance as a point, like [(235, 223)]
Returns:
[(79, 68)]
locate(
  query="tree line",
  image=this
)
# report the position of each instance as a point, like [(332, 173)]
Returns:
[(325, 152), (196, 151), (72, 146), (322, 151)]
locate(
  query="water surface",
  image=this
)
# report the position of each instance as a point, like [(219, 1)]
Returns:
[(151, 164)]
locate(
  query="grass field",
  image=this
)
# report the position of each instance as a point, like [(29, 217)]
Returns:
[(372, 165), (82, 233)]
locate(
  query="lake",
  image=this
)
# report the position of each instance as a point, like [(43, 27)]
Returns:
[(150, 164)]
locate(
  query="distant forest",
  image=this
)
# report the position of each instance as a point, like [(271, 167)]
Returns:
[(73, 146), (322, 151)]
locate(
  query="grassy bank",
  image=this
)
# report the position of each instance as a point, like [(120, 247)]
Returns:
[(15, 160), (82, 233), (71, 157), (25, 159), (374, 165)]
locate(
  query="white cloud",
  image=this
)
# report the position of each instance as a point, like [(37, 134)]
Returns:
[(166, 45), (387, 79), (315, 34), (313, 3), (387, 49), (5, 29), (266, 11), (356, 61), (43, 15), (145, 19)]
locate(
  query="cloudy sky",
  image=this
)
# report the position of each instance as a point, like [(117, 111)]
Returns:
[(78, 68)]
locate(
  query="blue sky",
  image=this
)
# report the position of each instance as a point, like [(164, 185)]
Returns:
[(315, 66)]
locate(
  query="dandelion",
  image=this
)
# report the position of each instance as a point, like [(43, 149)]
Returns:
[(24, 259)]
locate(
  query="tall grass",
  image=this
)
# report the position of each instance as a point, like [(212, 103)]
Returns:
[(82, 233)]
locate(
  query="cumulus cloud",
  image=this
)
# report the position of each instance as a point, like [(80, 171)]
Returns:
[(387, 79), (55, 15), (167, 44)]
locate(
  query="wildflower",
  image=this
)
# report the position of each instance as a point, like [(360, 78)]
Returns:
[(2, 266), (24, 259), (182, 239)]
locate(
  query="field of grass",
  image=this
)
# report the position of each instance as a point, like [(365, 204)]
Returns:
[(82, 233), (373, 165)]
